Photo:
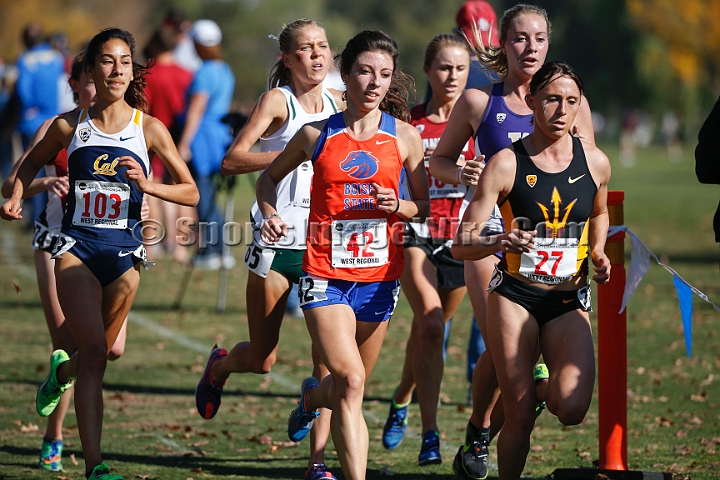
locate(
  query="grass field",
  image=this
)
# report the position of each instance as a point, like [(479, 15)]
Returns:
[(152, 430)]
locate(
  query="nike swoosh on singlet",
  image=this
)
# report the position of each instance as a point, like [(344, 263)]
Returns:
[(568, 301), (128, 138), (378, 142), (124, 254), (573, 180)]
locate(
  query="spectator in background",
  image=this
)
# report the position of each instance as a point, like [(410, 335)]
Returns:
[(482, 15), (66, 101), (707, 156), (205, 138), (166, 91), (39, 69), (8, 116)]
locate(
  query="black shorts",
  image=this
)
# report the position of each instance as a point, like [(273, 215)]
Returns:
[(544, 305), (450, 272)]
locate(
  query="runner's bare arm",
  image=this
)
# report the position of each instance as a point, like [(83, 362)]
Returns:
[(57, 185), (159, 141), (56, 138), (411, 150), (599, 166), (268, 115), (495, 183), (462, 125), (299, 148)]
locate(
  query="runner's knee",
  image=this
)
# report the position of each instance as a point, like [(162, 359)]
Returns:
[(432, 327)]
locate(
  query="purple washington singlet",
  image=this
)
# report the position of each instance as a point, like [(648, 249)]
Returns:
[(501, 126)]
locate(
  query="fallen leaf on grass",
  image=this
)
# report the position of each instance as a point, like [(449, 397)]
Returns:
[(707, 381), (681, 434), (17, 286), (699, 397), (61, 477), (197, 470), (663, 421), (30, 427), (73, 459)]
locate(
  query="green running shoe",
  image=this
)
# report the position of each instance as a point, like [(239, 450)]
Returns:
[(51, 455), (540, 372), (48, 395), (102, 472)]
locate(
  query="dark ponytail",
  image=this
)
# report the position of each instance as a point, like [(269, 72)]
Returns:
[(135, 94)]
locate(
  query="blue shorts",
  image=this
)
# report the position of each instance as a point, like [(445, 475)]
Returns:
[(371, 301), (106, 262)]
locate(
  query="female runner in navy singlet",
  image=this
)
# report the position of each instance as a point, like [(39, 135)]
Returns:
[(99, 250)]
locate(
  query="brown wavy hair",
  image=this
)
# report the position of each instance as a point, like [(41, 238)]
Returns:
[(281, 75), (135, 94), (491, 56), (402, 84)]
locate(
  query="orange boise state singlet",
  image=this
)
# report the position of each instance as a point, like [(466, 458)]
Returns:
[(348, 239)]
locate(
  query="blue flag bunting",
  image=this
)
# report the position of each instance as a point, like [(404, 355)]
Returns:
[(684, 293), (640, 257)]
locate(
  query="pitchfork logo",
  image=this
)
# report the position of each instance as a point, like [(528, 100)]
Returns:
[(360, 165), (555, 227)]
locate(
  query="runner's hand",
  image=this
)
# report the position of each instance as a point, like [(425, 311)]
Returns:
[(134, 172), (601, 266), (385, 198), (11, 210), (470, 173), (517, 241), (273, 229), (58, 185)]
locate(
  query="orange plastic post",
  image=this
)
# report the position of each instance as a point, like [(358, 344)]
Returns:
[(612, 348)]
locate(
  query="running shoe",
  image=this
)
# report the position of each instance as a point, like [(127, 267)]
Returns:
[(102, 472), (51, 455), (471, 460), (49, 393), (318, 471), (301, 421), (209, 391), (430, 449), (395, 425), (540, 372)]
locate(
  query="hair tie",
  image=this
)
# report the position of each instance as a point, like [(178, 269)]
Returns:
[(277, 39)]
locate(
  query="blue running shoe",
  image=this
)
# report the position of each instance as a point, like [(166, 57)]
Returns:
[(51, 455), (301, 421), (208, 390), (395, 426), (430, 450), (318, 472)]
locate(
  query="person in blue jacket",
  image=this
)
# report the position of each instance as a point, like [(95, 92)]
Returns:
[(205, 137)]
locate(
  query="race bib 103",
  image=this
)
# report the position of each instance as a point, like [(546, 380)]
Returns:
[(101, 204)]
